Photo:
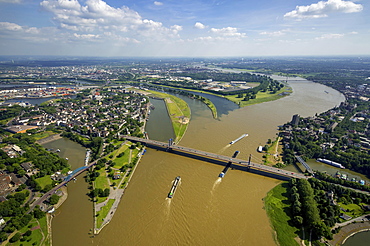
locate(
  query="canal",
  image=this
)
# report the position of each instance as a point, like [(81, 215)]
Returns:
[(204, 210)]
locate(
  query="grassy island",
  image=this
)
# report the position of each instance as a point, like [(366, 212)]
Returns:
[(260, 97), (210, 105), (178, 111), (189, 93)]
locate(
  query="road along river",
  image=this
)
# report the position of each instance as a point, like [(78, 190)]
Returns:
[(204, 210)]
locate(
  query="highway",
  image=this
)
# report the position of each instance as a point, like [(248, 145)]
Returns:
[(200, 154)]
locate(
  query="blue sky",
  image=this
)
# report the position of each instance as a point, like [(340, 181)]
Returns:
[(184, 27)]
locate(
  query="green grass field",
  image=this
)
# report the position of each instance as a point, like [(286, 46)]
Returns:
[(275, 205), (260, 97), (120, 161), (103, 213), (44, 228), (42, 135), (44, 181), (271, 156), (101, 181), (211, 106), (37, 235), (120, 149), (353, 210)]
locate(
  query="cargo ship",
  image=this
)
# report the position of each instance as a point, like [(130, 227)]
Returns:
[(332, 163), (174, 186), (222, 174), (236, 140)]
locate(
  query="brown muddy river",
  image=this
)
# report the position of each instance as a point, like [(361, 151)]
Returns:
[(204, 210)]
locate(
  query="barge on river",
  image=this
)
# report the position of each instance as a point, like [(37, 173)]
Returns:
[(174, 187), (236, 140)]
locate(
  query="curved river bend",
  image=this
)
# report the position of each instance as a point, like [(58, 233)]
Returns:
[(203, 211)]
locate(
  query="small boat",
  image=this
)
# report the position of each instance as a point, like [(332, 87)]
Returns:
[(174, 186)]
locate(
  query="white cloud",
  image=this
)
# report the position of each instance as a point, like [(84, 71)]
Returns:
[(330, 36), (222, 35), (14, 31), (202, 39), (158, 3), (273, 34), (7, 26), (199, 25), (176, 28), (322, 9), (86, 36), (228, 32), (10, 1), (96, 17)]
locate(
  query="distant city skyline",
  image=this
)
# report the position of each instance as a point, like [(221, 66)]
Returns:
[(188, 28)]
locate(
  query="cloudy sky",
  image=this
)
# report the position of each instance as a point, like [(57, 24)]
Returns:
[(184, 27)]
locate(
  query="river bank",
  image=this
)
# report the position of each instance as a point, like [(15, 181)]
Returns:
[(349, 230), (49, 139), (276, 204), (109, 207)]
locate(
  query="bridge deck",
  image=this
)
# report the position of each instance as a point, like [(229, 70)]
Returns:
[(200, 154), (308, 168)]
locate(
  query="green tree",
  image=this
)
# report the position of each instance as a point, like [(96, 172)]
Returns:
[(38, 213), (54, 199), (15, 238), (3, 236), (298, 220)]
